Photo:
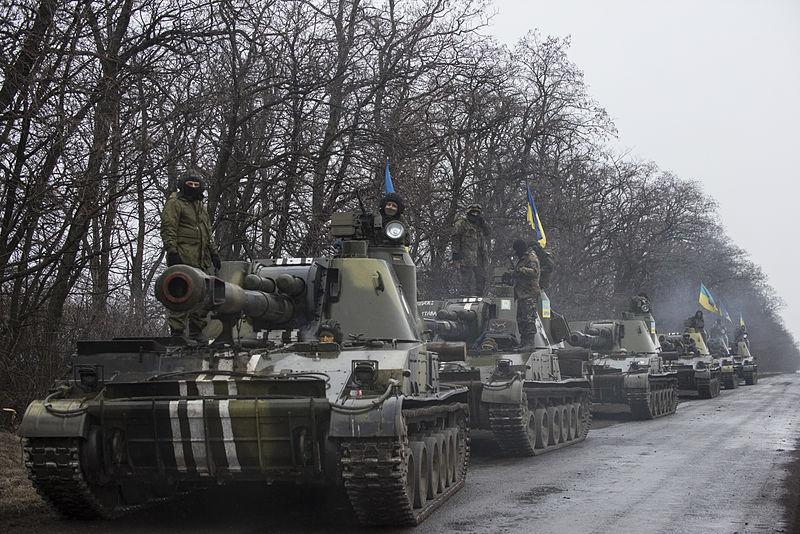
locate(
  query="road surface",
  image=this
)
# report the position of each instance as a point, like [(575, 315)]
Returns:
[(717, 466)]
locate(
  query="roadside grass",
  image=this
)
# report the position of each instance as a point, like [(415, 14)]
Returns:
[(19, 502)]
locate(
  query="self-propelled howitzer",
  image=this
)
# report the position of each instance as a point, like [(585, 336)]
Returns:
[(699, 373), (530, 398), (139, 419), (627, 368)]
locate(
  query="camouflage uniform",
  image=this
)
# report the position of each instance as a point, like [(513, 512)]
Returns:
[(186, 229), (547, 265), (526, 292), (471, 254)]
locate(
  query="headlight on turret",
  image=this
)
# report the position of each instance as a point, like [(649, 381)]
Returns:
[(364, 373), (394, 230)]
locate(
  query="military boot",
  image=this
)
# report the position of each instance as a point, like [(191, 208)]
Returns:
[(197, 337), (177, 337)]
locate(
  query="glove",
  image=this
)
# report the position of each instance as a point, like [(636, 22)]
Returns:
[(216, 262), (456, 256), (173, 258)]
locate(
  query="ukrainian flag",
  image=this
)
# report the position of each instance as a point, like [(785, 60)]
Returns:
[(707, 301), (741, 320), (724, 312), (533, 220)]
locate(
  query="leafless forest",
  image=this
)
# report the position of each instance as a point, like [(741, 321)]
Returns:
[(289, 107)]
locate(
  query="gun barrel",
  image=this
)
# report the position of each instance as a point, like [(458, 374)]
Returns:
[(182, 288), (590, 341), (449, 330)]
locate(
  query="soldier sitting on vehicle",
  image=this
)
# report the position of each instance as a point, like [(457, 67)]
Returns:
[(526, 290), (697, 322), (391, 208), (741, 335)]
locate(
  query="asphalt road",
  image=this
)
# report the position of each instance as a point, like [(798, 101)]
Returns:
[(717, 466)]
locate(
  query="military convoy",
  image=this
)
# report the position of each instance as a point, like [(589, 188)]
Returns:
[(141, 419), (327, 371), (532, 399), (626, 364)]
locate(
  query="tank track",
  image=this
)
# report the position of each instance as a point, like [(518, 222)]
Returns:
[(519, 431), (659, 401), (54, 467), (751, 378), (709, 389), (730, 381), (376, 472)]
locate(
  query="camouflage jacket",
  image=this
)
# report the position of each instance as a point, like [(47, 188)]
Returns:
[(470, 242), (526, 276), (186, 229)]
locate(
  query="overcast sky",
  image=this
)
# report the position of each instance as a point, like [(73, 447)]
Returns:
[(709, 89)]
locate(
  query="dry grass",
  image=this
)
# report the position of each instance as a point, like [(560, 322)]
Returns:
[(19, 502)]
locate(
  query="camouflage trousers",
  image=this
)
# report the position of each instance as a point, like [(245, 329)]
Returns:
[(526, 319), (196, 321), (178, 322), (471, 279)]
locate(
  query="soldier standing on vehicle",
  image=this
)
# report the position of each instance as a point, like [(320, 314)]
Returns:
[(526, 290), (188, 240), (470, 241)]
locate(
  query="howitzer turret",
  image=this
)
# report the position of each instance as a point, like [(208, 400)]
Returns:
[(601, 338)]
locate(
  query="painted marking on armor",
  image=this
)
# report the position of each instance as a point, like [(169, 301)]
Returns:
[(177, 441), (468, 306), (225, 364), (205, 388), (182, 388), (253, 362), (227, 435), (233, 389), (505, 304), (197, 434)]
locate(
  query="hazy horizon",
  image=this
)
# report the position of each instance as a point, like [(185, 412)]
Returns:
[(707, 90)]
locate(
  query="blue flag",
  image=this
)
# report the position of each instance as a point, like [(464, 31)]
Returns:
[(388, 186), (533, 219)]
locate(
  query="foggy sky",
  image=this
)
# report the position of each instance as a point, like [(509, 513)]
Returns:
[(708, 89)]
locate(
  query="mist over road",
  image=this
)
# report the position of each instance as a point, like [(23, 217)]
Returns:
[(717, 466)]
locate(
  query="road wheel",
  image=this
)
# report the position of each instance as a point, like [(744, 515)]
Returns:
[(566, 424), (420, 473), (554, 418), (542, 427)]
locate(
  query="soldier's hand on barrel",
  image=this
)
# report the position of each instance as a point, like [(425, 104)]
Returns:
[(216, 261), (173, 258)]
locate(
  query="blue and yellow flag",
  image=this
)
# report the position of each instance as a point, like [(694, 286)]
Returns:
[(388, 185), (723, 311), (533, 220), (706, 300), (741, 320)]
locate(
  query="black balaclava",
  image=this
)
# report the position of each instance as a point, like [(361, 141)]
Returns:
[(520, 247), (397, 199), (475, 214), (191, 193)]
